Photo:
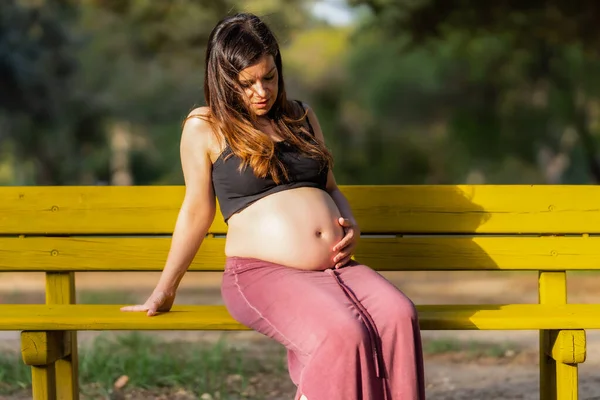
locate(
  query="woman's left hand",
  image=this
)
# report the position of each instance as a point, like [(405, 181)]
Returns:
[(345, 247)]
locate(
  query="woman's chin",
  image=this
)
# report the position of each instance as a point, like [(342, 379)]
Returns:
[(261, 111)]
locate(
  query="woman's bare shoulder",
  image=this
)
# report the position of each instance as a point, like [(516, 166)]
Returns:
[(199, 132), (198, 121)]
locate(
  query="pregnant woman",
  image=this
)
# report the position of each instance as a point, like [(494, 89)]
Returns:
[(349, 333)]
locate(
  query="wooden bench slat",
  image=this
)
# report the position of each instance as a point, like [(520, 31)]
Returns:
[(432, 317), (90, 209), (510, 317), (417, 209), (149, 254), (108, 317)]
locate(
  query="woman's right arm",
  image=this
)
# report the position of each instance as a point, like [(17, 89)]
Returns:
[(195, 216)]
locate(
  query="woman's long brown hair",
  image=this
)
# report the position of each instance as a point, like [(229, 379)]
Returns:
[(236, 43)]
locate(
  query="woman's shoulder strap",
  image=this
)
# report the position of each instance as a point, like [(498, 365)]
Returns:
[(310, 128)]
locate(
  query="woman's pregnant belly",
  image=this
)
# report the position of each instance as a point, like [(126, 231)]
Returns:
[(296, 228)]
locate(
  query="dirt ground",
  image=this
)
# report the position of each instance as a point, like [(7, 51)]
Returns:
[(449, 376)]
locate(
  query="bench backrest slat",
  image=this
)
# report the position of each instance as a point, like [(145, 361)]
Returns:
[(379, 209)]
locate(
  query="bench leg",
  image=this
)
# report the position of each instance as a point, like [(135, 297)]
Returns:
[(552, 289), (67, 387), (60, 289), (566, 381), (547, 369), (560, 354), (43, 382), (40, 350)]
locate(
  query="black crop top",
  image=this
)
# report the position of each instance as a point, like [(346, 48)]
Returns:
[(236, 190)]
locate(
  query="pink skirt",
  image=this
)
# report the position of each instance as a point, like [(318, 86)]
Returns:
[(349, 333)]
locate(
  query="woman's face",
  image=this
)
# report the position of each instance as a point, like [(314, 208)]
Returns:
[(260, 84)]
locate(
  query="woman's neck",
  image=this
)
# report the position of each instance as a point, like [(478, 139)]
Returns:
[(264, 122)]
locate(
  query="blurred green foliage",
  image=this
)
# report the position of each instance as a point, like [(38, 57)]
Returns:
[(419, 91)]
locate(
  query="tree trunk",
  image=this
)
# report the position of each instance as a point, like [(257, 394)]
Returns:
[(120, 146), (589, 145), (580, 121)]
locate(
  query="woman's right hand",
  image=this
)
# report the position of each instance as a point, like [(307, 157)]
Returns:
[(159, 301)]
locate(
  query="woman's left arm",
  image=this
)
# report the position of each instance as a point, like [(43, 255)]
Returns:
[(345, 247)]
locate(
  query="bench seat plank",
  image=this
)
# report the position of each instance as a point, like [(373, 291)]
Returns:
[(196, 317)]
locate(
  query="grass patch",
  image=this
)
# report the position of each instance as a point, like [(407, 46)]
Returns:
[(106, 297), (83, 297), (14, 375), (21, 297), (471, 348), (151, 363)]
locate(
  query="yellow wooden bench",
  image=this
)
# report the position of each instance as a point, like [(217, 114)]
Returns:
[(62, 230)]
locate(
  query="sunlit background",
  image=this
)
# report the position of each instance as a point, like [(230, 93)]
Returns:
[(94, 92)]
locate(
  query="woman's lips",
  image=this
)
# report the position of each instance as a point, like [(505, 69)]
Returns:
[(261, 103)]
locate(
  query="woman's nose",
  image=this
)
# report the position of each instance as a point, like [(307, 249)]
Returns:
[(259, 89)]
